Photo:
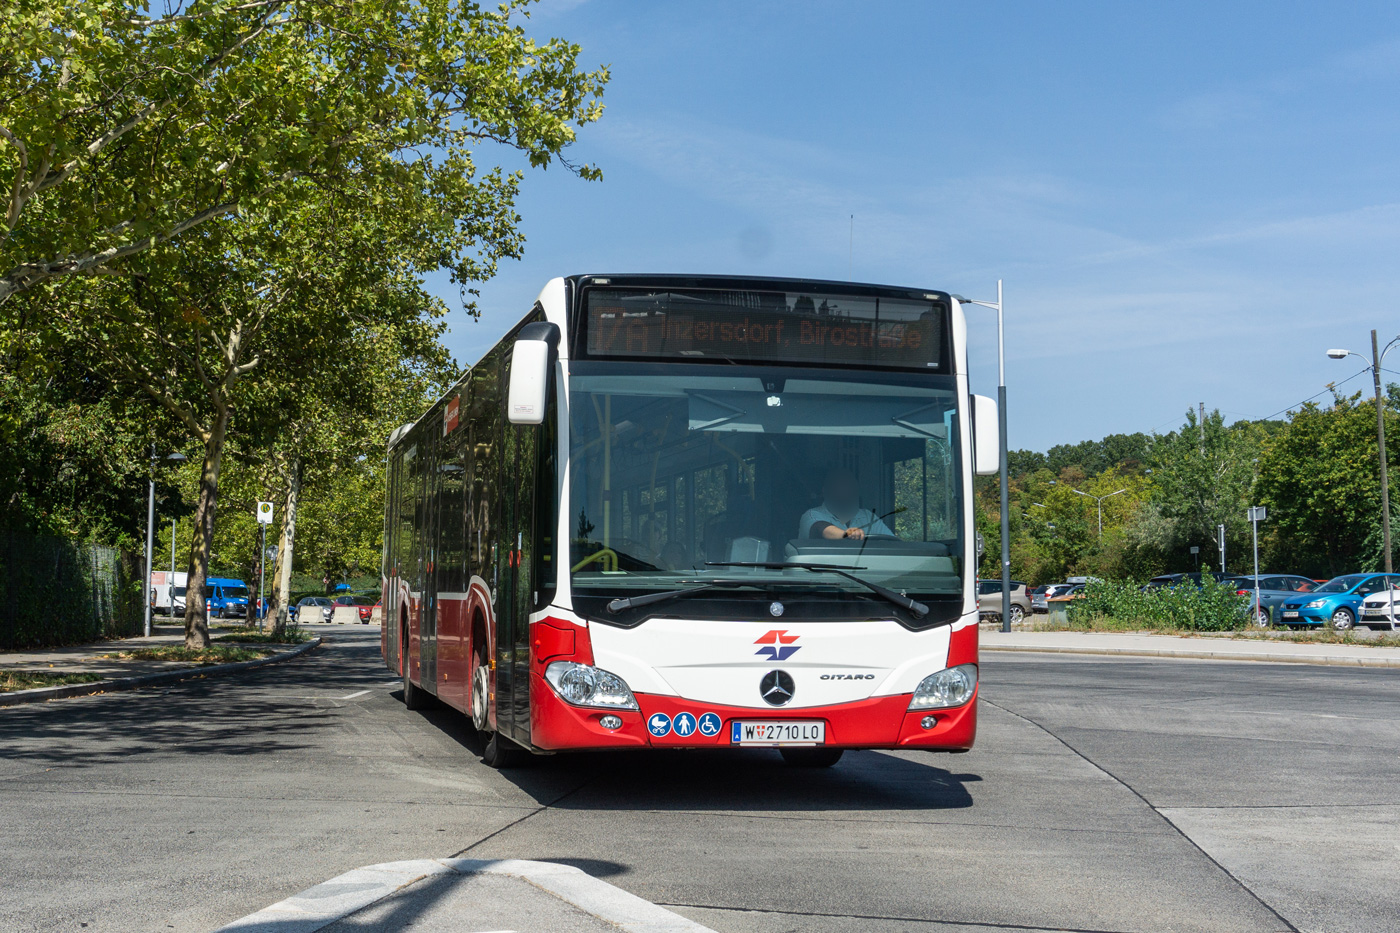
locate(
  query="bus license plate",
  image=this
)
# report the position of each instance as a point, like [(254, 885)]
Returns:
[(1290, 614), (778, 733)]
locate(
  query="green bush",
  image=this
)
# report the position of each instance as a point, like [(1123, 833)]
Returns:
[(1211, 607)]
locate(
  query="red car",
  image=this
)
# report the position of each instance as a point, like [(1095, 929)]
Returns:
[(364, 605)]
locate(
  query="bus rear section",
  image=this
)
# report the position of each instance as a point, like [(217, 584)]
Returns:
[(696, 512)]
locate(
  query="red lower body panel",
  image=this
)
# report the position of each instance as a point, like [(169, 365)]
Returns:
[(879, 722)]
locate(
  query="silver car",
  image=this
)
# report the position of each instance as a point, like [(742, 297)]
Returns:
[(989, 600)]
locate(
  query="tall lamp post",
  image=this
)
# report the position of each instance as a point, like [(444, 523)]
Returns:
[(1005, 495), (1099, 500), (1374, 365), (151, 535)]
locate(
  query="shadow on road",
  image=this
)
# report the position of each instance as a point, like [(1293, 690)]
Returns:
[(724, 779), (234, 715)]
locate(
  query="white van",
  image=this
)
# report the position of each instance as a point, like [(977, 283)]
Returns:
[(160, 591)]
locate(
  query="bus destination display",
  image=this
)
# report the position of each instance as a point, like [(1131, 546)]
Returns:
[(764, 327)]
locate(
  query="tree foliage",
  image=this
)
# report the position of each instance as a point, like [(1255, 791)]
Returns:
[(126, 125), (264, 184)]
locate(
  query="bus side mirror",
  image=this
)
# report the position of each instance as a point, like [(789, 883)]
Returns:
[(530, 363), (986, 454)]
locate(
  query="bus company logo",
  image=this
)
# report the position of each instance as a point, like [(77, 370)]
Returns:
[(777, 645)]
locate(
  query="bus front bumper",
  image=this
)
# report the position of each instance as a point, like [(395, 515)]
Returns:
[(877, 722)]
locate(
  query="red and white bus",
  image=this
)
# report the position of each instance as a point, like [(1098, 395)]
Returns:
[(694, 511)]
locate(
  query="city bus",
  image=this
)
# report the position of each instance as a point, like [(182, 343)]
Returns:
[(697, 512)]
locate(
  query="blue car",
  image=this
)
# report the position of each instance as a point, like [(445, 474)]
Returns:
[(226, 597), (1337, 602)]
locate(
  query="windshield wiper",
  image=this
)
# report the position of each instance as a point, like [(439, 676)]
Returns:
[(903, 602), (647, 599)]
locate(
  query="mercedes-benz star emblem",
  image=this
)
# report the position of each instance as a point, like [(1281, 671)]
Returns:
[(776, 688), (775, 608)]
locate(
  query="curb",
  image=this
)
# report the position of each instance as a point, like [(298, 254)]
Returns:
[(1201, 655), (40, 694), (343, 895)]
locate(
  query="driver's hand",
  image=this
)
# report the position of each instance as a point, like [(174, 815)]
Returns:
[(855, 533)]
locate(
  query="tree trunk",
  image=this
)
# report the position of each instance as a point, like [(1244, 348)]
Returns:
[(196, 615), (288, 542)]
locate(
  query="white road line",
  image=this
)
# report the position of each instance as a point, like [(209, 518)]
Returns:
[(353, 695)]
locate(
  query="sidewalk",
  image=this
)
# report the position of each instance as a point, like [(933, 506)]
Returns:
[(1211, 647), (104, 673), (83, 658), (464, 896)]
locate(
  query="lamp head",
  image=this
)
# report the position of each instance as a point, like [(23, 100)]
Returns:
[(1337, 354), (176, 457)]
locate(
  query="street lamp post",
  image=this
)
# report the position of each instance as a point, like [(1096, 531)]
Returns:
[(1099, 500), (1005, 493), (148, 596), (1374, 365)]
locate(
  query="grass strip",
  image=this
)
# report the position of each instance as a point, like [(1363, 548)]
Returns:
[(252, 636), (29, 680), (214, 654)]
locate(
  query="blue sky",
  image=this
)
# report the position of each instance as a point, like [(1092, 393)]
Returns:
[(1187, 202)]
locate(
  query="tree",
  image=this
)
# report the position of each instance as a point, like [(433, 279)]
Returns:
[(362, 180), (126, 125), (1202, 478), (1320, 480)]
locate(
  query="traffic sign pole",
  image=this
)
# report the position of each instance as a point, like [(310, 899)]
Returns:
[(264, 515)]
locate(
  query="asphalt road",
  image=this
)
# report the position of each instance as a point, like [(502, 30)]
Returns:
[(1103, 795)]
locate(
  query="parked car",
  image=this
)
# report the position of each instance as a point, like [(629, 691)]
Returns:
[(364, 605), (1380, 608), (226, 597), (1274, 588), (1337, 602), (312, 605), (1038, 598), (989, 600)]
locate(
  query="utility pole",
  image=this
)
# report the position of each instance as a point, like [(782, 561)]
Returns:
[(1005, 494), (1201, 423), (1257, 514), (1380, 435), (150, 543), (1374, 364), (1221, 530)]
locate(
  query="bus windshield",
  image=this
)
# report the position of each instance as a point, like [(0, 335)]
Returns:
[(676, 469)]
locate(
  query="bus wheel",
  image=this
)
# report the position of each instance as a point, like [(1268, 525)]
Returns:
[(501, 752), (414, 696), (480, 692), (811, 757)]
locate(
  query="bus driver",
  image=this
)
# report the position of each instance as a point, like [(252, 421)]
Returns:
[(840, 515)]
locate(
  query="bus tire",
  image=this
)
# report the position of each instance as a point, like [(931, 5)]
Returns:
[(501, 752), (414, 696), (480, 692), (811, 757)]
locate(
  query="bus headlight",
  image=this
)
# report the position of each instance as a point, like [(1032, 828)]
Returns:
[(585, 685), (952, 686)]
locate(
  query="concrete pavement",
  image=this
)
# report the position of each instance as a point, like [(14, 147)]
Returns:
[(1105, 794), (453, 895)]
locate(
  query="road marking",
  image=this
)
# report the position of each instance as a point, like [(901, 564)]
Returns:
[(393, 683), (353, 695)]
